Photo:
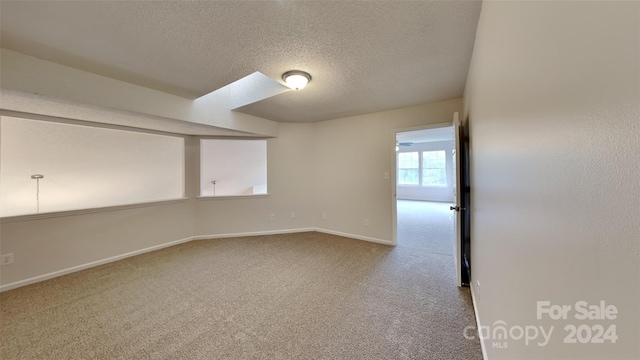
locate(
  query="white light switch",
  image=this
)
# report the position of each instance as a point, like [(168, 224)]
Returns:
[(386, 176)]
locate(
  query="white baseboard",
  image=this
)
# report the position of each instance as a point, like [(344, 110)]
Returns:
[(51, 275), (54, 274), (291, 231), (357, 237), (475, 310), (254, 233)]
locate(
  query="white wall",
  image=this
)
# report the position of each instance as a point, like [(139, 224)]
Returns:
[(85, 167), (23, 74), (291, 188), (239, 167), (552, 99), (430, 193), (351, 156), (49, 245), (334, 167)]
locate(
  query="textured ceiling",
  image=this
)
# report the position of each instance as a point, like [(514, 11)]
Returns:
[(363, 56)]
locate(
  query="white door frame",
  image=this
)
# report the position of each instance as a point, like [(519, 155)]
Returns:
[(459, 203), (394, 173)]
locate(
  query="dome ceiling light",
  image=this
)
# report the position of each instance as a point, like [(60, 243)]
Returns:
[(296, 79)]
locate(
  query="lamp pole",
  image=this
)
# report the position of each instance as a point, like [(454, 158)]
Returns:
[(37, 178)]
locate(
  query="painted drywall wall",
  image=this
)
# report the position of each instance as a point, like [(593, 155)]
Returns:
[(36, 106), (290, 177), (84, 167), (352, 156), (27, 74), (54, 244), (553, 104), (430, 193), (238, 167), (333, 167)]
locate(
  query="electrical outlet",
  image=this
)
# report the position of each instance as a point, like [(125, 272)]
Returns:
[(273, 217), (293, 215), (6, 259), (366, 222), (386, 176), (324, 216)]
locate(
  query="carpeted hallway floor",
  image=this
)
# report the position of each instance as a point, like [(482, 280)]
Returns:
[(426, 226), (293, 296)]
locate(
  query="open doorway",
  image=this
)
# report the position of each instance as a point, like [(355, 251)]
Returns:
[(425, 189)]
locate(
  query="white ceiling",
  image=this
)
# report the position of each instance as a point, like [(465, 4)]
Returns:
[(426, 135), (363, 56)]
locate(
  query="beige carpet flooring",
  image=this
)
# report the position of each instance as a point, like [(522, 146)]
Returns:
[(293, 296), (426, 226)]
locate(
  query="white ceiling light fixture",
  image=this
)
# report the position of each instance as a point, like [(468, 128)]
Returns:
[(296, 79)]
